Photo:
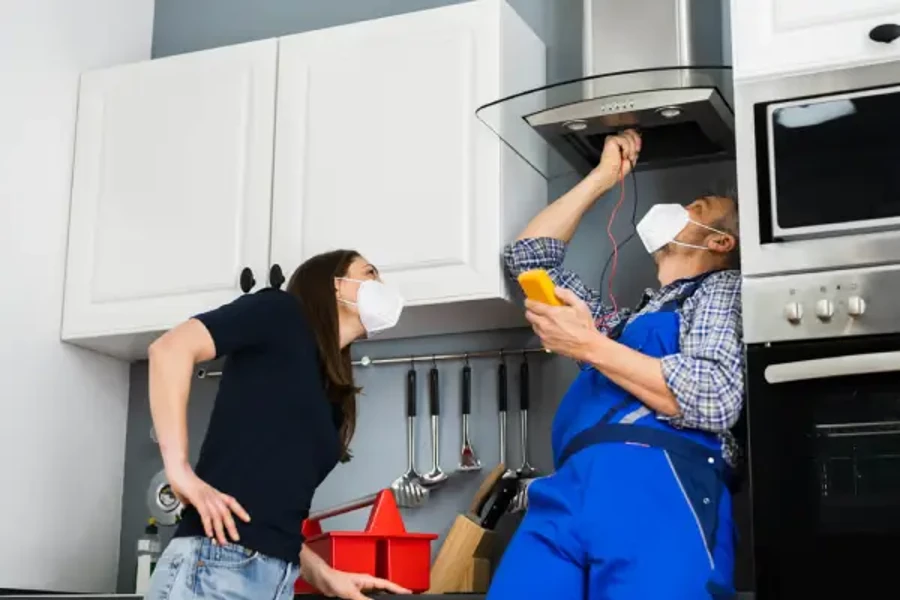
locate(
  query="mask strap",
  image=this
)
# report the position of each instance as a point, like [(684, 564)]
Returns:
[(707, 227), (677, 243)]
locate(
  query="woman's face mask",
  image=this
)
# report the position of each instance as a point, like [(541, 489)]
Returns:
[(662, 224), (379, 306)]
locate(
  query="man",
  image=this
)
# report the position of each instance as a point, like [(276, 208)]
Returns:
[(638, 507)]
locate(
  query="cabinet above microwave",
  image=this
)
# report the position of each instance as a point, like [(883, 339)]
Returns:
[(193, 170)]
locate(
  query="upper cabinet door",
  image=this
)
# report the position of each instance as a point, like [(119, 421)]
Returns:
[(379, 150), (772, 37), (171, 193)]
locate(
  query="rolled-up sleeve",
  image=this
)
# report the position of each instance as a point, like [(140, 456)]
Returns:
[(548, 254), (707, 375)]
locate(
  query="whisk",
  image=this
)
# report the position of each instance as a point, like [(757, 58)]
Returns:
[(408, 490)]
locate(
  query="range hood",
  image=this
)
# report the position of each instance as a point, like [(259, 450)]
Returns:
[(654, 65)]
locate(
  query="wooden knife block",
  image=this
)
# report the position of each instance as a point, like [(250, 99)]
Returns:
[(463, 563)]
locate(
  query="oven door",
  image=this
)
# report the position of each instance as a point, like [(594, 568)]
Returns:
[(824, 454), (817, 171)]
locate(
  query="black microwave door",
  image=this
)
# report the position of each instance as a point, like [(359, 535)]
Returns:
[(831, 160), (824, 468)]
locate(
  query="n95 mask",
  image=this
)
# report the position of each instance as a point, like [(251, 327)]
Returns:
[(662, 224), (379, 305)]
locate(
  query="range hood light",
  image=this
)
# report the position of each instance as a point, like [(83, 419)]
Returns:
[(669, 112), (575, 125)]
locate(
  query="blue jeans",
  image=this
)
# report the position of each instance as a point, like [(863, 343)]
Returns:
[(194, 567)]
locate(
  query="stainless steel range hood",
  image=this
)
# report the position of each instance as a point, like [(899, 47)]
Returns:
[(655, 65)]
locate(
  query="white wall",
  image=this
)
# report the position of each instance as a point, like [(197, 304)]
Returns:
[(62, 410)]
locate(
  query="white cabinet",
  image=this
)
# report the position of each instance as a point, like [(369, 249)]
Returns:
[(376, 148), (171, 191), (772, 37)]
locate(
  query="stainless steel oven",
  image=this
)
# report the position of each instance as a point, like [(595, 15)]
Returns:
[(818, 161), (823, 431)]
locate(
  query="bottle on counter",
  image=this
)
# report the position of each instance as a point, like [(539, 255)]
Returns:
[(149, 547)]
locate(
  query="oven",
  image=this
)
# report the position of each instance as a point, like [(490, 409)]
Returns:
[(818, 173), (823, 431)]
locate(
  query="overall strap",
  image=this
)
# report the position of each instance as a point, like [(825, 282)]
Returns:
[(671, 306), (671, 442)]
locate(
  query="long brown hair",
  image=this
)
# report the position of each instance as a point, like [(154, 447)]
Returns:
[(313, 284)]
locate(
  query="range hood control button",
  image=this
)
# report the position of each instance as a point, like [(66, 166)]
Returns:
[(793, 312), (856, 306), (824, 309)]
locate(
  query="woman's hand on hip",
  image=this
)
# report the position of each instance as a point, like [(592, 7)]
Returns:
[(214, 507)]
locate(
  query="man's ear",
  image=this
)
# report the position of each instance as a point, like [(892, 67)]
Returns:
[(722, 243)]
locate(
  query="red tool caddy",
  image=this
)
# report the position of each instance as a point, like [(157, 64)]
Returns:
[(384, 549)]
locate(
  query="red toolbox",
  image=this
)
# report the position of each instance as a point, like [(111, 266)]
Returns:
[(384, 549)]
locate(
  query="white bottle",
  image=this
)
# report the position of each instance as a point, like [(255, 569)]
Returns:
[(149, 548)]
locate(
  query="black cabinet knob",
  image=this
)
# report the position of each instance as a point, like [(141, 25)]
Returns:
[(247, 281), (885, 33), (276, 277)]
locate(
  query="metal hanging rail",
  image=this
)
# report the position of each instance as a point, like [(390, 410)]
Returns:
[(366, 361)]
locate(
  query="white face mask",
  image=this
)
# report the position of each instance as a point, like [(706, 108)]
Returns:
[(379, 306), (662, 224)]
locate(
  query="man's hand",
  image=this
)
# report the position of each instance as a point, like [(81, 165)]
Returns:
[(567, 330), (214, 507), (620, 153), (349, 586)]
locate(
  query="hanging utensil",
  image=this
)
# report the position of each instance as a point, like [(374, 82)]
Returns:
[(162, 503), (468, 461), (502, 405), (526, 471), (408, 490), (436, 475)]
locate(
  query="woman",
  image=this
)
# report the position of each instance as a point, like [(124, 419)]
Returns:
[(284, 416)]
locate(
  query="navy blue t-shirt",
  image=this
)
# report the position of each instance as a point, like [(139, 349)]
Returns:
[(273, 434)]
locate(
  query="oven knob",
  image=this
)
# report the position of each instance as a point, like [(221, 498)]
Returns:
[(824, 309), (793, 312), (856, 306)]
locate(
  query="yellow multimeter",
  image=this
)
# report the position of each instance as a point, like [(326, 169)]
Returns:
[(538, 286)]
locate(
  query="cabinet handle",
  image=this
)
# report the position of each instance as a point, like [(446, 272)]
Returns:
[(247, 281), (276, 277), (885, 33)]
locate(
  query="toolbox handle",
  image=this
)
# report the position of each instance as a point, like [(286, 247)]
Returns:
[(340, 509), (385, 518)]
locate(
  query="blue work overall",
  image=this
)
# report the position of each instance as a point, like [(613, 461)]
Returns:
[(637, 509)]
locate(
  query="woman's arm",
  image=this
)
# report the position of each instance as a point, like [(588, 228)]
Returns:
[(172, 360), (338, 584), (250, 320)]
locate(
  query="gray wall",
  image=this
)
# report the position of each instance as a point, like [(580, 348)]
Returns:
[(187, 25)]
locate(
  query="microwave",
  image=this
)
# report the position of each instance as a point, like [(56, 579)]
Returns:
[(818, 163)]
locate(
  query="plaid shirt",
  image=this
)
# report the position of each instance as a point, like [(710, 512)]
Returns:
[(707, 375)]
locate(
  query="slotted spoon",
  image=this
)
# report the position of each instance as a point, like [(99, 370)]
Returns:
[(408, 489)]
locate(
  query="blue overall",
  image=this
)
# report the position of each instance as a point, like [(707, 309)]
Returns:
[(637, 509)]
